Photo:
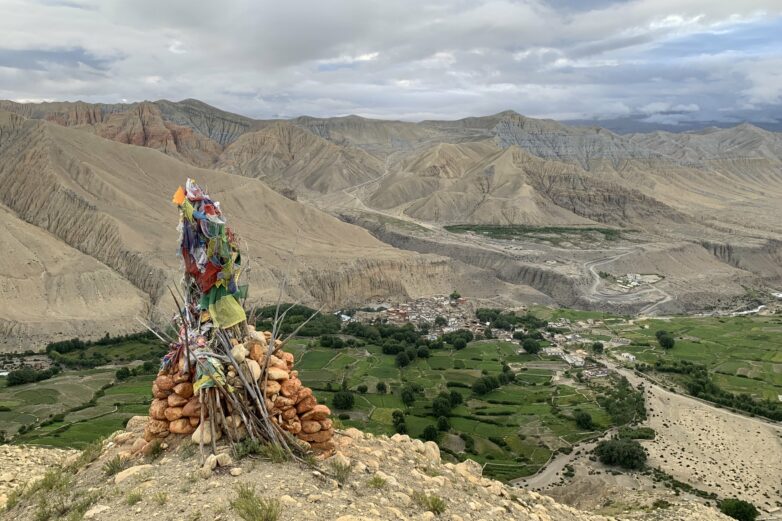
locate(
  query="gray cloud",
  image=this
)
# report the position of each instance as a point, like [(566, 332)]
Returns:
[(568, 59)]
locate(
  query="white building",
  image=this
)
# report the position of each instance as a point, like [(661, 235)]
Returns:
[(628, 356)]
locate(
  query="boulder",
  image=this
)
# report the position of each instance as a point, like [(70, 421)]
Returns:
[(181, 426), (282, 402), (310, 427), (272, 388), (256, 351), (184, 389), (290, 387), (319, 412), (307, 404), (276, 373), (157, 426), (288, 359), (174, 400), (304, 392), (192, 408), (132, 471), (173, 413), (164, 382), (316, 437), (289, 414), (239, 352), (204, 432), (432, 452), (157, 409), (327, 424), (194, 420), (157, 393), (254, 368), (469, 468)]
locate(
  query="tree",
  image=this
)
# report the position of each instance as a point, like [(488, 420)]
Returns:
[(624, 453), (666, 341), (122, 373), (661, 332), (343, 400), (597, 347), (487, 333), (440, 321), (459, 343), (455, 398), (531, 346), (441, 406), (381, 388), (423, 352), (362, 389), (408, 396), (443, 424), (402, 360), (455, 295), (430, 433), (739, 509), (398, 419), (584, 420)]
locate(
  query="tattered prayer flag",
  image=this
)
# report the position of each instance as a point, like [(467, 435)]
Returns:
[(179, 196)]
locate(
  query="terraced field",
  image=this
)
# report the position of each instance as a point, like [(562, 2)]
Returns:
[(514, 429), (743, 354)]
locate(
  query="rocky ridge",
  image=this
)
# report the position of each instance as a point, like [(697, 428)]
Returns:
[(389, 479)]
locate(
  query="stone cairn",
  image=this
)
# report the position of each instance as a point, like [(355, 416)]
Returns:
[(222, 379)]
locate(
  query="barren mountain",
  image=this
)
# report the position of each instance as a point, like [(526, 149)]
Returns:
[(104, 207), (285, 155), (716, 191)]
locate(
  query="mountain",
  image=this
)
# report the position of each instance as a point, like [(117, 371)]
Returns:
[(708, 198), (90, 234)]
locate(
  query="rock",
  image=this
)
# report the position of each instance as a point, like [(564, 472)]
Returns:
[(254, 368), (352, 432), (236, 471), (339, 459), (211, 462), (287, 500), (428, 516), (290, 387), (239, 352), (181, 426), (204, 473), (138, 446), (272, 387), (256, 351), (204, 432), (319, 412), (157, 426), (136, 423), (306, 404), (128, 473), (310, 426), (400, 437), (432, 452), (184, 389), (224, 460), (94, 511), (469, 468), (164, 382), (123, 437), (277, 374), (316, 437), (157, 409), (174, 400), (172, 413), (192, 408), (418, 446)]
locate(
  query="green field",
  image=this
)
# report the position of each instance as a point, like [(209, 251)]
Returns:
[(515, 429), (743, 354)]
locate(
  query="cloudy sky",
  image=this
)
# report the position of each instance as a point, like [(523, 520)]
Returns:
[(655, 61)]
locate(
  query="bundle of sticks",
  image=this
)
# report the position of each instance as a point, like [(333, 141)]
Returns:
[(221, 378)]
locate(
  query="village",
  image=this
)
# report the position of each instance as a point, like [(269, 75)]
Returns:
[(565, 339)]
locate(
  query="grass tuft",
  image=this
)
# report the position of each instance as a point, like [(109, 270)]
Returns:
[(161, 498), (114, 465), (376, 482), (250, 507), (133, 498), (341, 471), (431, 503), (156, 451)]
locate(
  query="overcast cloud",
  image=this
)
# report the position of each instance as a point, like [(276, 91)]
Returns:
[(658, 61)]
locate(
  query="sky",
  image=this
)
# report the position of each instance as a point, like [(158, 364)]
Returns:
[(656, 62)]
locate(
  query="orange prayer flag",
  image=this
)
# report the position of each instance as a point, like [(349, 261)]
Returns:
[(179, 196)]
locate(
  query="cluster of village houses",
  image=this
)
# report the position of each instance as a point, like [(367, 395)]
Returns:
[(567, 343)]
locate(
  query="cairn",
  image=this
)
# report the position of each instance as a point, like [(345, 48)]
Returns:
[(221, 378)]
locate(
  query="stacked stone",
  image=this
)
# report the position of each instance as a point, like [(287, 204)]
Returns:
[(174, 410), (292, 406)]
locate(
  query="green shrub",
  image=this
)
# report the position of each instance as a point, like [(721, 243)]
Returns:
[(114, 465), (341, 471), (624, 453), (431, 503), (739, 509)]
